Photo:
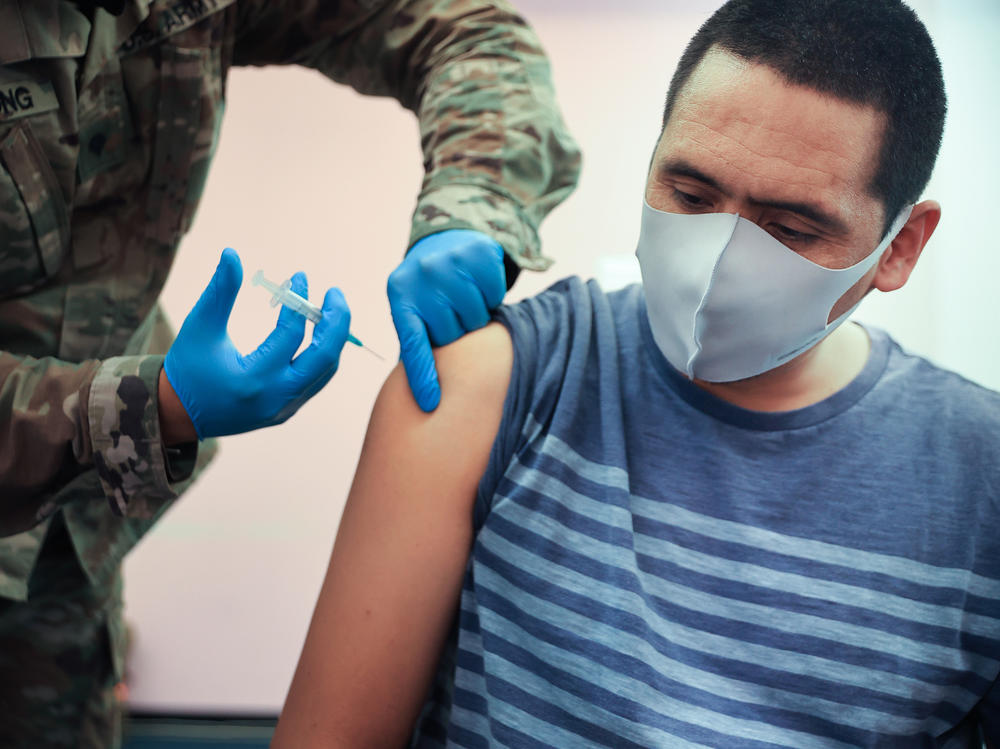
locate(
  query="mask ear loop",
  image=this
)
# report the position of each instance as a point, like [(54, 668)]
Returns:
[(869, 262)]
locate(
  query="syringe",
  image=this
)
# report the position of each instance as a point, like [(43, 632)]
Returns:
[(283, 294)]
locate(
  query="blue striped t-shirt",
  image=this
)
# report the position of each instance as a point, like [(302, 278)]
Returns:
[(655, 567)]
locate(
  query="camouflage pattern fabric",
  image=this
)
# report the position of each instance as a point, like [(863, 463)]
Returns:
[(496, 152), (57, 672), (107, 129)]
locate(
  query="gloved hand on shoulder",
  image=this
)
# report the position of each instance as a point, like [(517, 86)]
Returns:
[(225, 392), (445, 287)]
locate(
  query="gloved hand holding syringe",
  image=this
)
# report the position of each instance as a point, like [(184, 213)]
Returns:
[(284, 295), (223, 391)]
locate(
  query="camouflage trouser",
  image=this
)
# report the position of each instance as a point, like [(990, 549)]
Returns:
[(56, 673)]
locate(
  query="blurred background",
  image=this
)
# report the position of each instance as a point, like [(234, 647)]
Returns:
[(311, 176)]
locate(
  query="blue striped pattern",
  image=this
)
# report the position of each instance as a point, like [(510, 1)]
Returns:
[(603, 606)]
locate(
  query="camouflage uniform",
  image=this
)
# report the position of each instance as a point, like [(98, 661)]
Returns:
[(107, 128)]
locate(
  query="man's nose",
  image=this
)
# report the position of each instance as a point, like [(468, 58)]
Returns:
[(743, 210)]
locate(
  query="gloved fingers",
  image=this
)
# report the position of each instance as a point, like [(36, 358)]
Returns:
[(281, 343), (439, 316), (314, 387), (322, 357), (462, 293), (485, 266), (293, 405), (418, 361), (479, 256), (211, 311)]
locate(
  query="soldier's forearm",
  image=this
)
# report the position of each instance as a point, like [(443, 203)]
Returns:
[(498, 155)]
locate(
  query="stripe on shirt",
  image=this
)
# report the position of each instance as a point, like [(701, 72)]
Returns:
[(805, 548), (531, 480)]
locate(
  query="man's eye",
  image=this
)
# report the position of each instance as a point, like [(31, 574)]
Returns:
[(689, 200), (791, 235)]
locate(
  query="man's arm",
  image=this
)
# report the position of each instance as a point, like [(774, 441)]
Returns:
[(395, 574)]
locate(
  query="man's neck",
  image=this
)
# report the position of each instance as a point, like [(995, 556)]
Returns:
[(815, 375)]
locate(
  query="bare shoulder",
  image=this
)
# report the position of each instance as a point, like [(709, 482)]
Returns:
[(455, 438), (474, 373), (477, 365)]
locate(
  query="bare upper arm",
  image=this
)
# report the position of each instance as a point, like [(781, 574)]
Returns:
[(395, 573)]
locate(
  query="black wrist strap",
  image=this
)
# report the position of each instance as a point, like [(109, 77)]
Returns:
[(179, 460)]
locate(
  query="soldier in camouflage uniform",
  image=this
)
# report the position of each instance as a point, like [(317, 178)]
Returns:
[(109, 113)]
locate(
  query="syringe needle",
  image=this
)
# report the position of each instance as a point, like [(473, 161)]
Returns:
[(353, 339), (373, 352)]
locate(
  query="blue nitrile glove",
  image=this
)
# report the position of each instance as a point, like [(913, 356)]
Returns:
[(444, 288), (225, 392)]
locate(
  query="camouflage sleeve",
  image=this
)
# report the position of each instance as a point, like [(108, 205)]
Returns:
[(58, 420), (497, 154)]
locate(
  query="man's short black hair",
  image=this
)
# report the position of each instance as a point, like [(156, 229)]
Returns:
[(869, 52)]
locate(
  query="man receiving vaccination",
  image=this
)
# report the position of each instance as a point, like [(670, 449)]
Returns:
[(109, 112), (698, 511)]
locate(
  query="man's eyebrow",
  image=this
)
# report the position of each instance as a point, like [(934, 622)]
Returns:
[(823, 219), (818, 216), (679, 168)]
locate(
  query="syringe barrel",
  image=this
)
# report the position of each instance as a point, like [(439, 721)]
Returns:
[(284, 295), (300, 305)]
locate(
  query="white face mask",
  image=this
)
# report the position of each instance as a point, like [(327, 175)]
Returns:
[(727, 301)]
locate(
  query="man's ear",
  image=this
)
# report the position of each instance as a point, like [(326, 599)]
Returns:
[(901, 256)]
